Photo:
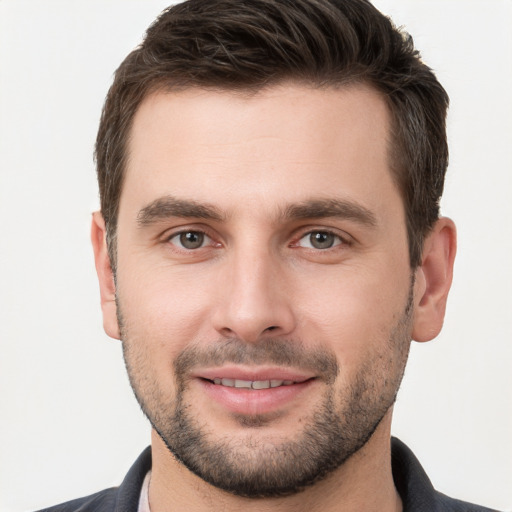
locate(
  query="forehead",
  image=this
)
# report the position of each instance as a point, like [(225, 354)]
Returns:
[(286, 142)]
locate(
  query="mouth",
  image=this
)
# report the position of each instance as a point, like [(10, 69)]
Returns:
[(252, 384), (254, 391)]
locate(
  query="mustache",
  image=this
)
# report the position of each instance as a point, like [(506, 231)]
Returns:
[(271, 351)]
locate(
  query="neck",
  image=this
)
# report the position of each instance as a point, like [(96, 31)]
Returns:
[(364, 482)]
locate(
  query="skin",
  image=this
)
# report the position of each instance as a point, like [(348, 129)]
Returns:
[(257, 277)]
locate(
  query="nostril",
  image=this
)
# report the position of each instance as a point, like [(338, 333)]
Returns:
[(271, 328)]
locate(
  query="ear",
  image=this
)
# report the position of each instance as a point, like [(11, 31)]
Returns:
[(105, 276), (433, 280)]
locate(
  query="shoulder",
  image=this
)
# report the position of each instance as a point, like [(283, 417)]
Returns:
[(103, 501), (448, 504), (415, 488), (124, 498)]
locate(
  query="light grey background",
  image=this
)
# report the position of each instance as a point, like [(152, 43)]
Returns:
[(69, 425)]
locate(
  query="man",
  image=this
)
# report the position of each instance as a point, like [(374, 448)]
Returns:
[(269, 243)]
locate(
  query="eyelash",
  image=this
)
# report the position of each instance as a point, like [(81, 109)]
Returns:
[(338, 239), (184, 232), (206, 238)]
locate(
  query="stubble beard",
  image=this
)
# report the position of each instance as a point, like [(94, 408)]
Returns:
[(256, 465)]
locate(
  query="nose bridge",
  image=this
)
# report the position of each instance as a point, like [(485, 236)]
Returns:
[(254, 302)]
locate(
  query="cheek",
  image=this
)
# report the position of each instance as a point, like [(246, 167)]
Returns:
[(163, 310), (355, 312)]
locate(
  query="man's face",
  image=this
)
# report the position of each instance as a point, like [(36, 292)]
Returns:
[(264, 291)]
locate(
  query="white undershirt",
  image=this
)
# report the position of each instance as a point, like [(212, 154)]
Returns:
[(144, 494)]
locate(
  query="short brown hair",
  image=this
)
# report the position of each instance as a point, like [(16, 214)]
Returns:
[(250, 44)]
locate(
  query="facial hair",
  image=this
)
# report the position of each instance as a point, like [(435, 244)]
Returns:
[(256, 465)]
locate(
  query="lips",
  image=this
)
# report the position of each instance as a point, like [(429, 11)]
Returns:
[(252, 384), (253, 391), (252, 374)]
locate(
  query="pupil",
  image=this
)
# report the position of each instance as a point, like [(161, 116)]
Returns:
[(321, 240), (191, 239)]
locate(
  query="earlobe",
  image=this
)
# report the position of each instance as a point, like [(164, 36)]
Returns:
[(105, 276), (433, 280)]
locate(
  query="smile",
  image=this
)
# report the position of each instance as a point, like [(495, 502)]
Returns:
[(252, 384), (254, 391)]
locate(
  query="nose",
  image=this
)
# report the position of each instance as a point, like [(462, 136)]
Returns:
[(254, 300)]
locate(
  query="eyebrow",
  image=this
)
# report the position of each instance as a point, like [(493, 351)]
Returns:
[(324, 208), (169, 206)]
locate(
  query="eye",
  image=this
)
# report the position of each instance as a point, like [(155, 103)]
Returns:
[(320, 240), (190, 240)]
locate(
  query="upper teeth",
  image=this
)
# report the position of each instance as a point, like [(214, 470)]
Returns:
[(252, 384)]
